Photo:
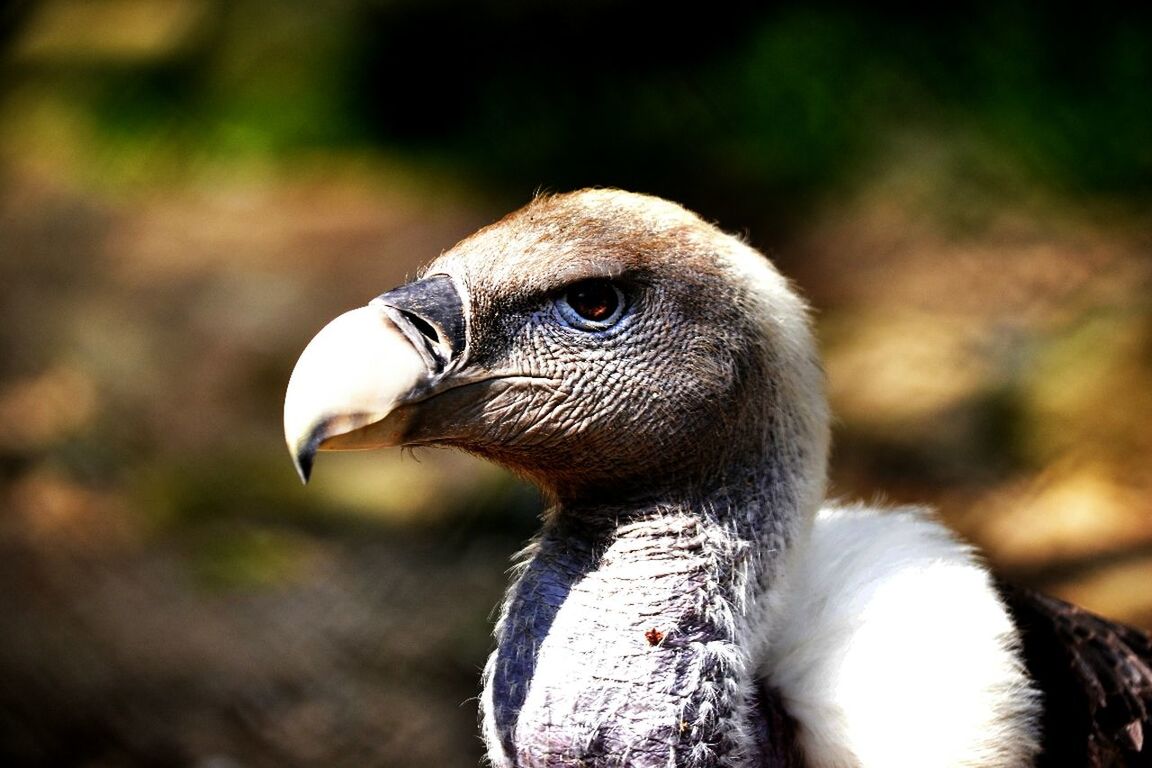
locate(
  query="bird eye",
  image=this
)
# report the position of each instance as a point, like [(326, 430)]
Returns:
[(591, 304)]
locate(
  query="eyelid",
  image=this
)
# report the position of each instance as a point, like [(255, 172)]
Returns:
[(579, 271), (570, 317)]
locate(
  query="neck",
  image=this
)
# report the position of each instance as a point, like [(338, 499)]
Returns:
[(627, 633)]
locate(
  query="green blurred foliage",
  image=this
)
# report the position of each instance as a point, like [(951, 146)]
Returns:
[(746, 105)]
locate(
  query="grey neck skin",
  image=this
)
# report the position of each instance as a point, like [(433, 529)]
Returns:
[(625, 638), (630, 636)]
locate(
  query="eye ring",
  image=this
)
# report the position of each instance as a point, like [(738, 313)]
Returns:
[(591, 305)]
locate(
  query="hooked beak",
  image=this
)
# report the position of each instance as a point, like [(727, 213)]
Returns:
[(356, 384)]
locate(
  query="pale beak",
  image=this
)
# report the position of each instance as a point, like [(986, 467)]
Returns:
[(351, 383)]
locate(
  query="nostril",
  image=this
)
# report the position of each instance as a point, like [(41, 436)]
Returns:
[(430, 314), (423, 326)]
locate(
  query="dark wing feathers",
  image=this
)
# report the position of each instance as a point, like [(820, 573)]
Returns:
[(1096, 679)]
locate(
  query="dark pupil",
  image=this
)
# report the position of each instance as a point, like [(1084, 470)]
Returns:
[(593, 300)]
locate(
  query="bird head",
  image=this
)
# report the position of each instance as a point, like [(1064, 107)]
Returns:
[(600, 343)]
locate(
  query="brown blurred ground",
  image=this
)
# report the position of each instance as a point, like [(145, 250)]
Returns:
[(172, 596)]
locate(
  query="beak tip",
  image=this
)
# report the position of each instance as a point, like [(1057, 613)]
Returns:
[(303, 452), (303, 467), (303, 455)]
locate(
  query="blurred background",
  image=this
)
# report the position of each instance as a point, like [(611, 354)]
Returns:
[(189, 189)]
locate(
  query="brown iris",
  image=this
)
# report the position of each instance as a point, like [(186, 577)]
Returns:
[(594, 300)]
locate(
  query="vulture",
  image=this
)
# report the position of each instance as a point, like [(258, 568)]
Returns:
[(692, 600)]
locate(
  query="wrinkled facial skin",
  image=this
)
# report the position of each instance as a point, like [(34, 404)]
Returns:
[(674, 355)]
